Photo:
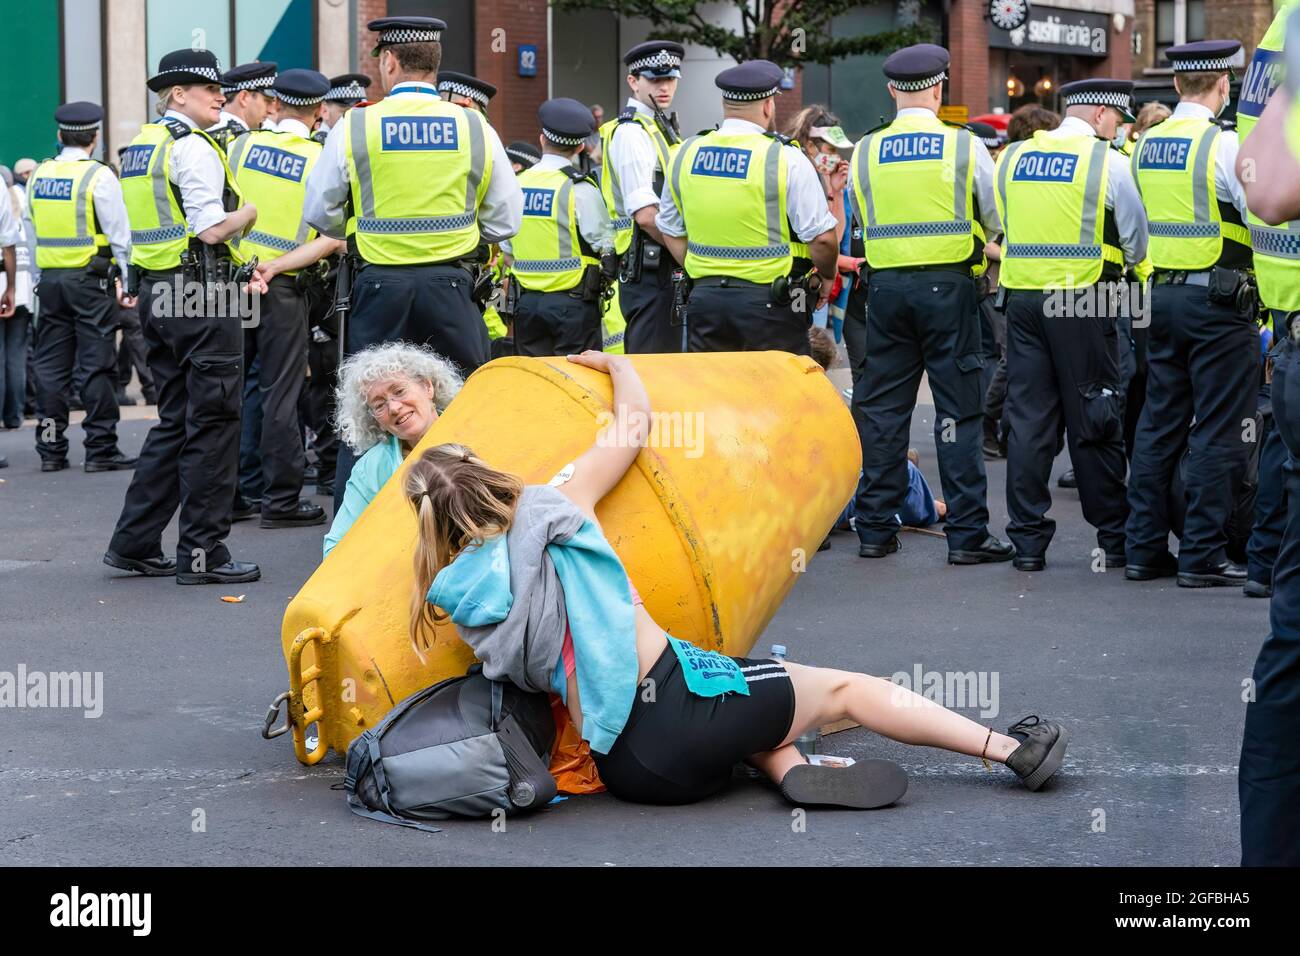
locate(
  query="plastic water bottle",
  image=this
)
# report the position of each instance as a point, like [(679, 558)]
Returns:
[(807, 741)]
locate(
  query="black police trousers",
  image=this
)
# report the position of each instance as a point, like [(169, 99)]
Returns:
[(425, 305), (921, 320), (1063, 369), (190, 457), (278, 341), (647, 306), (77, 329), (1268, 781), (732, 315), (555, 323), (1202, 363)]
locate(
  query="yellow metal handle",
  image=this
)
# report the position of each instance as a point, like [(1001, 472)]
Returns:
[(299, 717)]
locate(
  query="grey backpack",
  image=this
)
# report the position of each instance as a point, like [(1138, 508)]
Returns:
[(465, 747)]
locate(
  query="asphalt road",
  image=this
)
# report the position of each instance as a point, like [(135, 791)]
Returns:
[(1147, 676)]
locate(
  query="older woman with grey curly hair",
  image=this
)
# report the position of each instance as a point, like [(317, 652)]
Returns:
[(387, 397)]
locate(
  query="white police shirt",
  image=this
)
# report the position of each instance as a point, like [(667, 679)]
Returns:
[(1122, 197), (110, 210), (634, 160), (199, 172), (328, 186), (588, 204), (806, 204)]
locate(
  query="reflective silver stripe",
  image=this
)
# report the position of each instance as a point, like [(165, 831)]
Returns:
[(82, 189), (1133, 160), (615, 190), (148, 237), (275, 242), (424, 224), (476, 160), (237, 152), (547, 265), (1093, 201), (864, 181), (162, 189), (562, 223), (738, 252), (677, 174), (361, 159), (964, 137), (1201, 176), (1008, 158), (1280, 242), (772, 192)]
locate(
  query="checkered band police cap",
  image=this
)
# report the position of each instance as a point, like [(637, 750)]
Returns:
[(352, 91), (562, 139), (660, 60), (257, 83), (519, 156), (299, 100), (1196, 66), (1098, 98), (749, 95), (407, 35), (912, 86), (207, 72), (461, 89)]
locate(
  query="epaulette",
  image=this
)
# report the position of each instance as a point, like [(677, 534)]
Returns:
[(176, 127), (627, 114), (319, 137), (578, 176), (957, 126), (1228, 125), (781, 138), (876, 129)]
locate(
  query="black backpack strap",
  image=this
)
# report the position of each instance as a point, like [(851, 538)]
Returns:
[(498, 694)]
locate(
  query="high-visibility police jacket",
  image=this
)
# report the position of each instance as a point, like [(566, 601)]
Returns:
[(1051, 193), (1276, 249), (159, 232), (610, 187), (914, 186), (418, 169), (730, 188), (1192, 227), (271, 169), (60, 193), (549, 251)]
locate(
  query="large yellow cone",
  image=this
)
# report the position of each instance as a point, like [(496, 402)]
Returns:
[(752, 457)]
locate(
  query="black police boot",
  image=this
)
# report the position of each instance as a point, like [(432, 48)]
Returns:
[(1225, 574), (232, 572), (4, 462), (989, 550), (1041, 750), (1166, 566), (116, 462), (1029, 562), (879, 550), (1115, 559), (1067, 480), (1255, 589), (159, 567), (305, 515), (245, 508), (54, 464)]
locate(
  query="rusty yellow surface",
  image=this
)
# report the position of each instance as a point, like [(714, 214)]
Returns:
[(752, 457)]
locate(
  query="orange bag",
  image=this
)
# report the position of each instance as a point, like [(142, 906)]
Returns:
[(571, 764)]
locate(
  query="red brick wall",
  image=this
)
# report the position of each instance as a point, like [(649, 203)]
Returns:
[(968, 44), (789, 102), (368, 10), (496, 59)]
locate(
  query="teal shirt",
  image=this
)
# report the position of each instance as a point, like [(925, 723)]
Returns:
[(369, 474)]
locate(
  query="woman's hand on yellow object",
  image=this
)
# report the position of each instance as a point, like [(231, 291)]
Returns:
[(600, 361)]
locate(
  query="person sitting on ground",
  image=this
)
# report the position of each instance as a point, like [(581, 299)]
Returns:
[(387, 397), (533, 586)]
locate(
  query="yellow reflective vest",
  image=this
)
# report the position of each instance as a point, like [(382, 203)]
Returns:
[(548, 249), (63, 212), (271, 169)]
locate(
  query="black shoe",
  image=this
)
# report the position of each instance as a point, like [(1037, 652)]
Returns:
[(118, 462), (159, 567), (1028, 562), (1115, 560), (304, 515), (232, 572), (1041, 750), (1257, 589), (1225, 574), (124, 399), (1166, 566), (245, 508), (866, 785), (879, 550), (989, 550), (325, 491), (4, 462), (151, 397), (992, 450), (54, 464), (1067, 480), (310, 475)]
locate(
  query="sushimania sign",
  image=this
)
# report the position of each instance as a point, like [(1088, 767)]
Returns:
[(1057, 31)]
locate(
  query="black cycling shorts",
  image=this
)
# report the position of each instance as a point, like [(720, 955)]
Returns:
[(677, 747)]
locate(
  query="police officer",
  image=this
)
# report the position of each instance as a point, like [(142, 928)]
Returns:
[(416, 185), (555, 258), (522, 155), (735, 200), (271, 169), (1203, 351), (1269, 778), (465, 90), (184, 209), (247, 89), (923, 194), (76, 208), (635, 157), (345, 92), (1067, 241)]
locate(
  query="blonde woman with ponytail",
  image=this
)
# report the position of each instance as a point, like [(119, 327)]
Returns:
[(527, 577)]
